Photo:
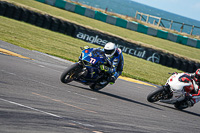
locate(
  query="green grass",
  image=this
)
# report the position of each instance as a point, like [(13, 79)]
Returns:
[(169, 46), (19, 33), (35, 38)]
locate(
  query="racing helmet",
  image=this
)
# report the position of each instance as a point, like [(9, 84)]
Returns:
[(197, 75), (109, 49)]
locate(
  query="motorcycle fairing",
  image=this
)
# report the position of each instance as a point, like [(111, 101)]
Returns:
[(177, 86)]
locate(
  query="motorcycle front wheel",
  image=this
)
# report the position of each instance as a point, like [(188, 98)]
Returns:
[(156, 95), (69, 73)]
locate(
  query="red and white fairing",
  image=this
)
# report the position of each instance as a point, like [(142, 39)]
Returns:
[(178, 87)]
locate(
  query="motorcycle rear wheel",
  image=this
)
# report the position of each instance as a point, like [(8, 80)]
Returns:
[(155, 95), (181, 105), (97, 86), (68, 74)]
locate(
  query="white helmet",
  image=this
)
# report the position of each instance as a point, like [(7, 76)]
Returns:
[(109, 49)]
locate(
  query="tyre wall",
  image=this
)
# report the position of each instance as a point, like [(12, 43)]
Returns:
[(123, 23), (92, 36), (98, 38)]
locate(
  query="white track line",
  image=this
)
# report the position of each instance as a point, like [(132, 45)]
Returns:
[(92, 98), (30, 108), (44, 112)]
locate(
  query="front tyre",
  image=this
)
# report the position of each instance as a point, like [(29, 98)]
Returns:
[(156, 95), (69, 74)]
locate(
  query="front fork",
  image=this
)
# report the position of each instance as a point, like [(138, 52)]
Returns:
[(83, 72), (168, 91)]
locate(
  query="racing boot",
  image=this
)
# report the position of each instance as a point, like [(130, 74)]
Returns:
[(112, 80)]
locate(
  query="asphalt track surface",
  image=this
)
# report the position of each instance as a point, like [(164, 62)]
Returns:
[(33, 100)]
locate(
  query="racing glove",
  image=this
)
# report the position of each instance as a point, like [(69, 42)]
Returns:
[(86, 47)]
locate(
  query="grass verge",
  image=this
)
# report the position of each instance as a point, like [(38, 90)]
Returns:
[(143, 39), (35, 38)]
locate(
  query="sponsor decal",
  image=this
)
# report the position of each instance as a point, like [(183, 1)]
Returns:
[(134, 50), (154, 58), (91, 39)]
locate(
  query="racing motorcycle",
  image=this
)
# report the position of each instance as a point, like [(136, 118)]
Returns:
[(87, 70), (173, 91)]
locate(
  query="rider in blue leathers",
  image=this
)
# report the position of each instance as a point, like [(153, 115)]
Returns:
[(115, 56)]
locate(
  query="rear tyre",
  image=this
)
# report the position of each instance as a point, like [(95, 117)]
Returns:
[(98, 86), (69, 74), (155, 95), (181, 105)]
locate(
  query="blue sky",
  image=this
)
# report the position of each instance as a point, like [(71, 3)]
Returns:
[(187, 8)]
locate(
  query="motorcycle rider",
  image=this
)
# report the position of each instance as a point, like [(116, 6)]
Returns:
[(195, 95), (192, 90), (115, 56)]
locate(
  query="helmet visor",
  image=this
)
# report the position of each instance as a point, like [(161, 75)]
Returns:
[(109, 52)]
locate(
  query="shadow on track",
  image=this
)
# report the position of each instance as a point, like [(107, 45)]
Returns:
[(117, 97), (184, 111)]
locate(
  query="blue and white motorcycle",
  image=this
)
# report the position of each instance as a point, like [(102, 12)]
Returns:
[(87, 70)]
